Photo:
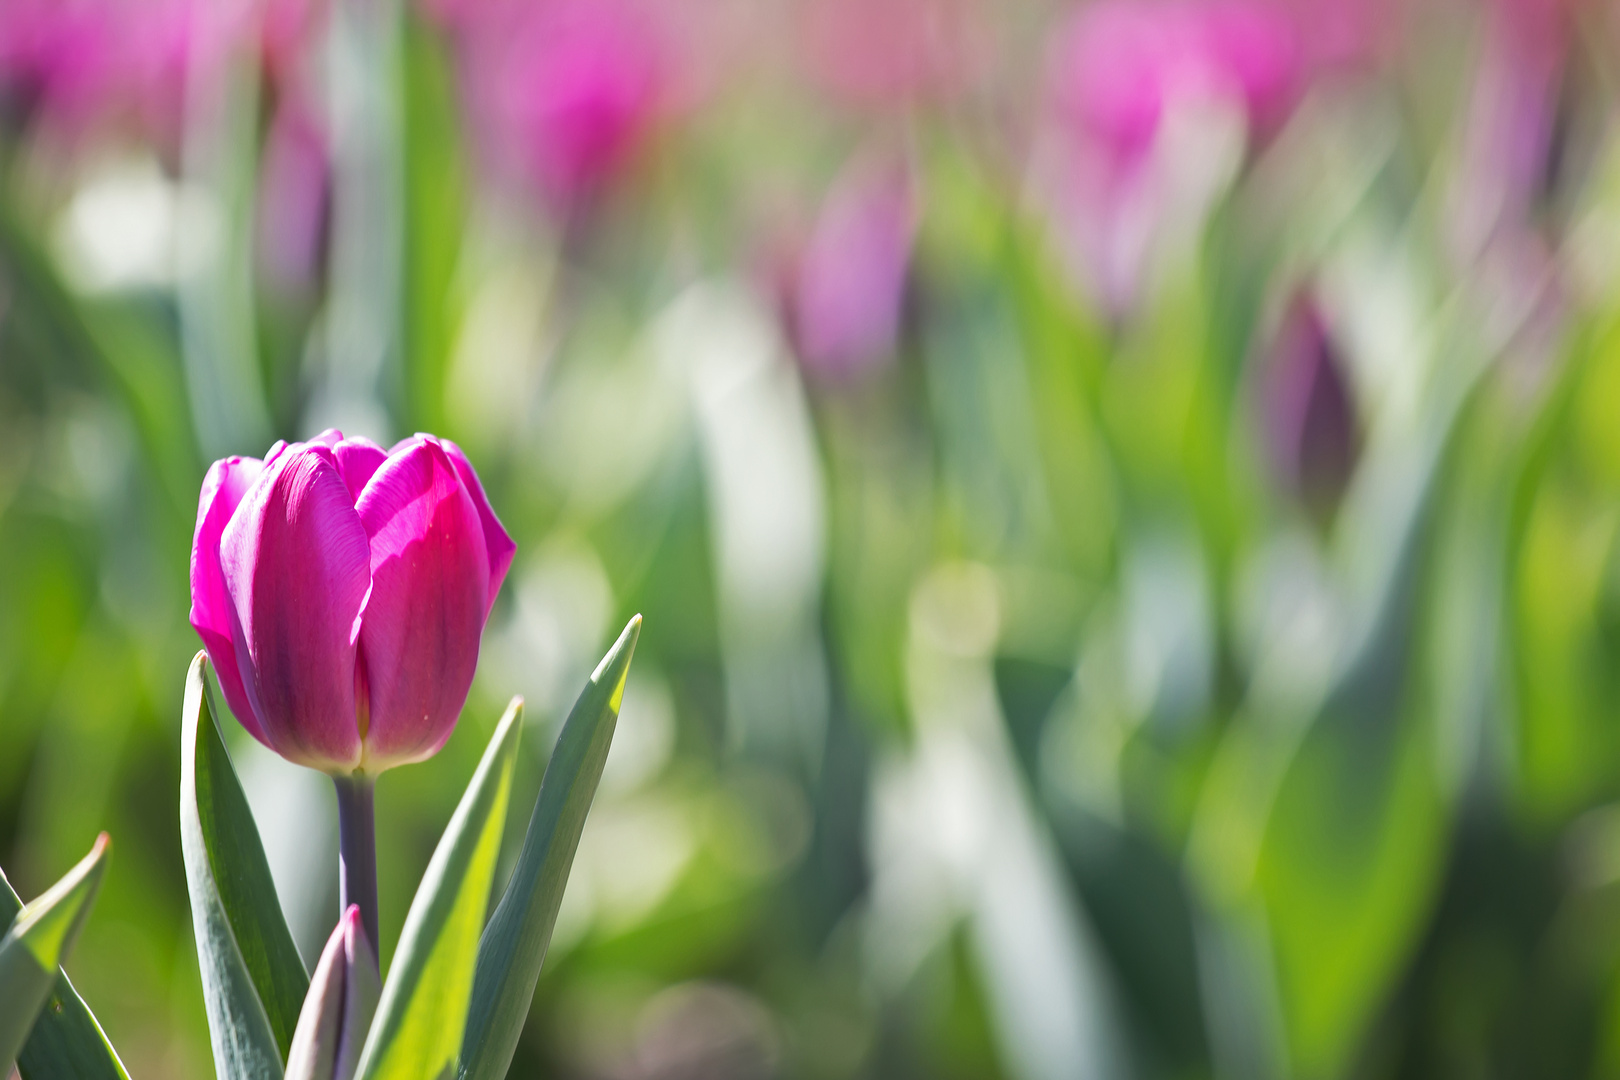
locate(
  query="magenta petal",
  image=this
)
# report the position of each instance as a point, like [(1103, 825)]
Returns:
[(296, 564), (430, 581), (357, 460), (328, 438), (213, 615), (497, 543)]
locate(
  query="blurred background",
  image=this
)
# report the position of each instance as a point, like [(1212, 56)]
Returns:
[(1124, 496)]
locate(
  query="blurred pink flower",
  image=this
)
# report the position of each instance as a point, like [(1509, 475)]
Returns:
[(565, 92), (891, 52), (1117, 70), (294, 177), (79, 63), (850, 284), (1508, 143), (1119, 65)]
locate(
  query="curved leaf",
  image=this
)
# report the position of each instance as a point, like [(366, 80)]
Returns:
[(32, 950), (67, 1042), (514, 943), (253, 981), (418, 1028)]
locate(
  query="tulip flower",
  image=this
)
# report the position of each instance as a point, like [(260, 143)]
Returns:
[(340, 592)]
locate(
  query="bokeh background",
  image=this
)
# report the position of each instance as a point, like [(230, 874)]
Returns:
[(1124, 497)]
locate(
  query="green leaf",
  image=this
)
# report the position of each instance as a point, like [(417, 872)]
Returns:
[(32, 950), (514, 943), (253, 981), (67, 1042), (417, 1032)]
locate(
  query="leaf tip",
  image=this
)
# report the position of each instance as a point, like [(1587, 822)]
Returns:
[(617, 661)]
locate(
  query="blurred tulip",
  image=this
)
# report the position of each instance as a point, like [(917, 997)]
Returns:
[(1118, 72), (295, 172), (1310, 420), (1120, 66), (889, 52), (565, 91), (338, 1009), (1508, 147), (340, 593), (851, 280), (78, 63)]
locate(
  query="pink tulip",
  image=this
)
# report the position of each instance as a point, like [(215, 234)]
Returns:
[(340, 592), (84, 63), (294, 180), (1118, 70), (852, 276), (564, 92), (1120, 65)]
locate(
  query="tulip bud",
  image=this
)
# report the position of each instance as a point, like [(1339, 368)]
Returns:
[(338, 1009), (340, 593)]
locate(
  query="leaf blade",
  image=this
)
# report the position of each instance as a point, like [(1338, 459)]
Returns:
[(67, 1040), (514, 943), (253, 980), (41, 934), (417, 1033)]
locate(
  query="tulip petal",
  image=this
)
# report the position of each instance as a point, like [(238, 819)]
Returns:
[(296, 564), (358, 460), (500, 546), (213, 615), (429, 597)]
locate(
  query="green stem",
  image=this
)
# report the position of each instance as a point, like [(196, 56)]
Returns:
[(357, 851)]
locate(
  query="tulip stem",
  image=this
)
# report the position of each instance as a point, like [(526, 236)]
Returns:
[(357, 851)]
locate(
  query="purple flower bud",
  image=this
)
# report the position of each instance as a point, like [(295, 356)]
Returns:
[(1310, 416), (339, 1007), (340, 592)]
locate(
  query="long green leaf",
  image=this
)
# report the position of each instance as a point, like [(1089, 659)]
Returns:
[(253, 981), (417, 1032), (514, 943), (32, 950)]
